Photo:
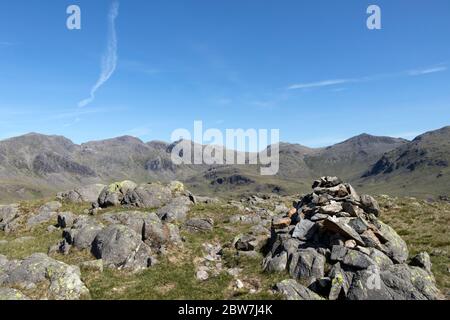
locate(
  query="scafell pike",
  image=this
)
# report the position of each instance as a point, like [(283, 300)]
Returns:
[(251, 309)]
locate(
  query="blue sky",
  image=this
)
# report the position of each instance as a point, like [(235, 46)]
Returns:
[(309, 68)]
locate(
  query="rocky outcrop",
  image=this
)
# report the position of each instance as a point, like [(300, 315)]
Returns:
[(128, 240), (336, 245), (61, 281), (89, 193), (8, 214)]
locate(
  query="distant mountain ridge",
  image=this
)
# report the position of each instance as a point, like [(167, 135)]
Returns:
[(34, 165)]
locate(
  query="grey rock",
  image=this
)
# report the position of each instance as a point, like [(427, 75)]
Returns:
[(157, 233), (381, 260), (331, 209), (245, 219), (176, 210), (351, 258), (89, 194), (66, 219), (359, 225), (199, 225), (352, 209), (82, 233), (326, 182), (339, 226), (152, 195), (7, 215), (8, 294), (64, 280), (245, 243), (395, 247), (277, 263), (340, 282), (45, 213), (422, 260), (122, 248), (304, 230), (370, 205), (318, 217), (292, 290), (115, 194), (132, 219), (307, 264)]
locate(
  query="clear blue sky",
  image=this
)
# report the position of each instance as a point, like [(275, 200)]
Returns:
[(310, 68)]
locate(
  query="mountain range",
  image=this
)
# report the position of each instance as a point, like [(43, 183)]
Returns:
[(36, 165)]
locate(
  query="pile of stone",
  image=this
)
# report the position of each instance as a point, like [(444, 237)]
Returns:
[(334, 245)]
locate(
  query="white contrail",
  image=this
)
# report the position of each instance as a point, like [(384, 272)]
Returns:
[(109, 60)]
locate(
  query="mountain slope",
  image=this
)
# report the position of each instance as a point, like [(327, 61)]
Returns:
[(419, 167), (350, 159), (34, 165)]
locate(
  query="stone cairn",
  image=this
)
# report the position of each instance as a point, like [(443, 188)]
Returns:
[(333, 246)]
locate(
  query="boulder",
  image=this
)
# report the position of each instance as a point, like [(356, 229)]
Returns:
[(176, 210), (122, 248), (135, 220), (63, 280), (66, 219), (158, 234), (245, 243), (7, 215), (152, 195), (114, 194), (82, 233), (88, 194), (199, 225)]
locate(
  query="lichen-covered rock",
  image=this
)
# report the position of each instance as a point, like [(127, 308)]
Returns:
[(115, 193), (152, 195), (12, 295), (422, 260), (394, 247), (63, 280), (292, 290)]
